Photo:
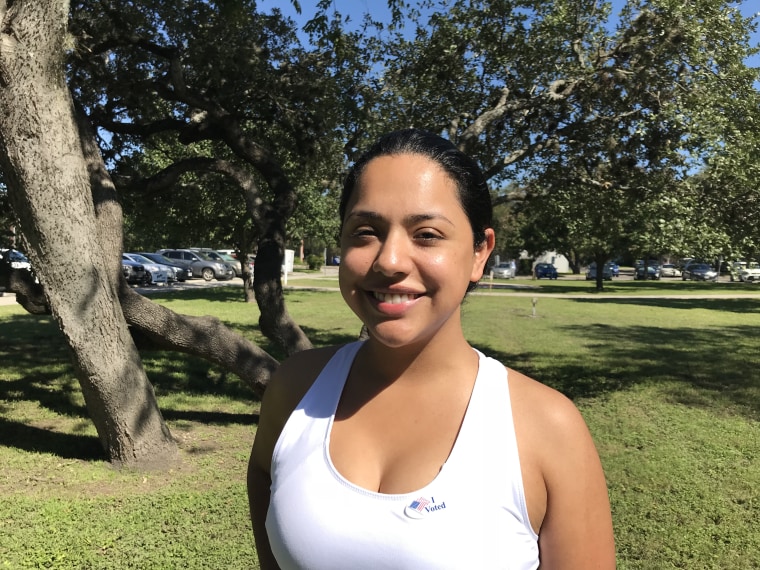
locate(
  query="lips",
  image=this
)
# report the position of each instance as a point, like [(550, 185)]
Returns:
[(394, 298)]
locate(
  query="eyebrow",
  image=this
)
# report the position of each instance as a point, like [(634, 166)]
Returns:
[(409, 220)]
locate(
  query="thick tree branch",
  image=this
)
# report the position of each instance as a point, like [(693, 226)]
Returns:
[(205, 337)]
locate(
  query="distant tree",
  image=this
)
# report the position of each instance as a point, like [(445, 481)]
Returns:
[(221, 106), (552, 96)]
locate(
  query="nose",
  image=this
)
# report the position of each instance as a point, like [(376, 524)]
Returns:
[(393, 257)]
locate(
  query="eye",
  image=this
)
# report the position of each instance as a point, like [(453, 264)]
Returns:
[(427, 235), (363, 231)]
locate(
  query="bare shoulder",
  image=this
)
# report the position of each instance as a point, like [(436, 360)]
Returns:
[(563, 476), (295, 375), (286, 388), (544, 408), (551, 430)]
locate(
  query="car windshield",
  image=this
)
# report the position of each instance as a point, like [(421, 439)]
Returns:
[(226, 257), (203, 255), (140, 258), (701, 266)]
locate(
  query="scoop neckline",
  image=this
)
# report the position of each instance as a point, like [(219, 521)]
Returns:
[(442, 472)]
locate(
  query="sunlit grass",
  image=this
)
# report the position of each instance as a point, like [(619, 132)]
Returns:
[(670, 389)]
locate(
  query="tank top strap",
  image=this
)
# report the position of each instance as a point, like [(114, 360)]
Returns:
[(321, 400)]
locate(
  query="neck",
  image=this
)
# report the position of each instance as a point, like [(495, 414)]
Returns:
[(420, 362)]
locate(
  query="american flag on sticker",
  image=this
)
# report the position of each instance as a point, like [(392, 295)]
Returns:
[(419, 504)]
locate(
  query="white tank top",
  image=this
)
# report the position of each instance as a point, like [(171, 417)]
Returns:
[(472, 515)]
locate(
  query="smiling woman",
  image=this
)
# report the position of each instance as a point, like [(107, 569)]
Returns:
[(412, 449)]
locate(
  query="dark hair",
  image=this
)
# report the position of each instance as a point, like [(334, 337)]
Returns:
[(471, 185)]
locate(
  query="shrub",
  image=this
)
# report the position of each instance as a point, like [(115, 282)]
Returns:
[(314, 261)]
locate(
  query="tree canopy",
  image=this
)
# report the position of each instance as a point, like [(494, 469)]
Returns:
[(213, 121)]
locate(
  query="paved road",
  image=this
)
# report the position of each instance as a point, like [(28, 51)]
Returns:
[(501, 288)]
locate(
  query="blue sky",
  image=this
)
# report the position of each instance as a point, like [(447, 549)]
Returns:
[(379, 10)]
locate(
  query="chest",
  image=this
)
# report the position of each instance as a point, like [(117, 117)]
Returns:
[(467, 512), (398, 441)]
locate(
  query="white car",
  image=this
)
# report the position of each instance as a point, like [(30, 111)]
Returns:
[(669, 270), (158, 273), (750, 273)]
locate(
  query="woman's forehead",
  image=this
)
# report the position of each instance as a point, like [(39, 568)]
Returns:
[(405, 173)]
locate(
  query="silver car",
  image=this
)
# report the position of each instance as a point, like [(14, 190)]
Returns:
[(224, 258), (504, 270), (200, 264)]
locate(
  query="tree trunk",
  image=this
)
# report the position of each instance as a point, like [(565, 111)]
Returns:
[(600, 259), (50, 192)]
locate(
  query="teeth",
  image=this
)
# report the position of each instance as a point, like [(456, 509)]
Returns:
[(393, 298)]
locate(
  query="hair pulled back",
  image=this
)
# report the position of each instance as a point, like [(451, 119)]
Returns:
[(471, 185)]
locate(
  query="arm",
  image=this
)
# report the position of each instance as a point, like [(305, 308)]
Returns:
[(576, 532), (258, 499), (563, 479), (286, 387), (259, 480)]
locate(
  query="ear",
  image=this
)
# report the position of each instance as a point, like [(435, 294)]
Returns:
[(482, 253)]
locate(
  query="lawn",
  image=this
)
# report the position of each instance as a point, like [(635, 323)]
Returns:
[(670, 389)]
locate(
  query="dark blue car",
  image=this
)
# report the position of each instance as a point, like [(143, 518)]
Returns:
[(545, 271)]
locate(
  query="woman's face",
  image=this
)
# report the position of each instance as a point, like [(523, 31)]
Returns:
[(407, 250)]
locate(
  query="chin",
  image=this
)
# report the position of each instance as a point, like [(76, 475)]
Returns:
[(392, 336)]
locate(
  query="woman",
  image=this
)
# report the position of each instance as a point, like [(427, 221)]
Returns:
[(411, 449)]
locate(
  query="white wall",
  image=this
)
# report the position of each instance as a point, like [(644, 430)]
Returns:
[(557, 259)]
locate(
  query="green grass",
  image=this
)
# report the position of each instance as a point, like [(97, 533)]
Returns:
[(568, 284), (670, 389)]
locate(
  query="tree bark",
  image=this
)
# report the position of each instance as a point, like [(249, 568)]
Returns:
[(50, 192), (157, 328), (153, 326)]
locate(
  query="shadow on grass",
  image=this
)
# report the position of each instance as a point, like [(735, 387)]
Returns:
[(663, 287), (221, 294), (37, 370), (210, 418), (712, 368), (40, 440), (736, 305), (318, 337)]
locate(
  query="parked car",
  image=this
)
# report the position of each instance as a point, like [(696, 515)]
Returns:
[(17, 259), (750, 273), (134, 272), (504, 270), (699, 272), (181, 271), (200, 264), (652, 272), (683, 262), (669, 270), (606, 272), (154, 273), (168, 268), (545, 270), (237, 267)]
